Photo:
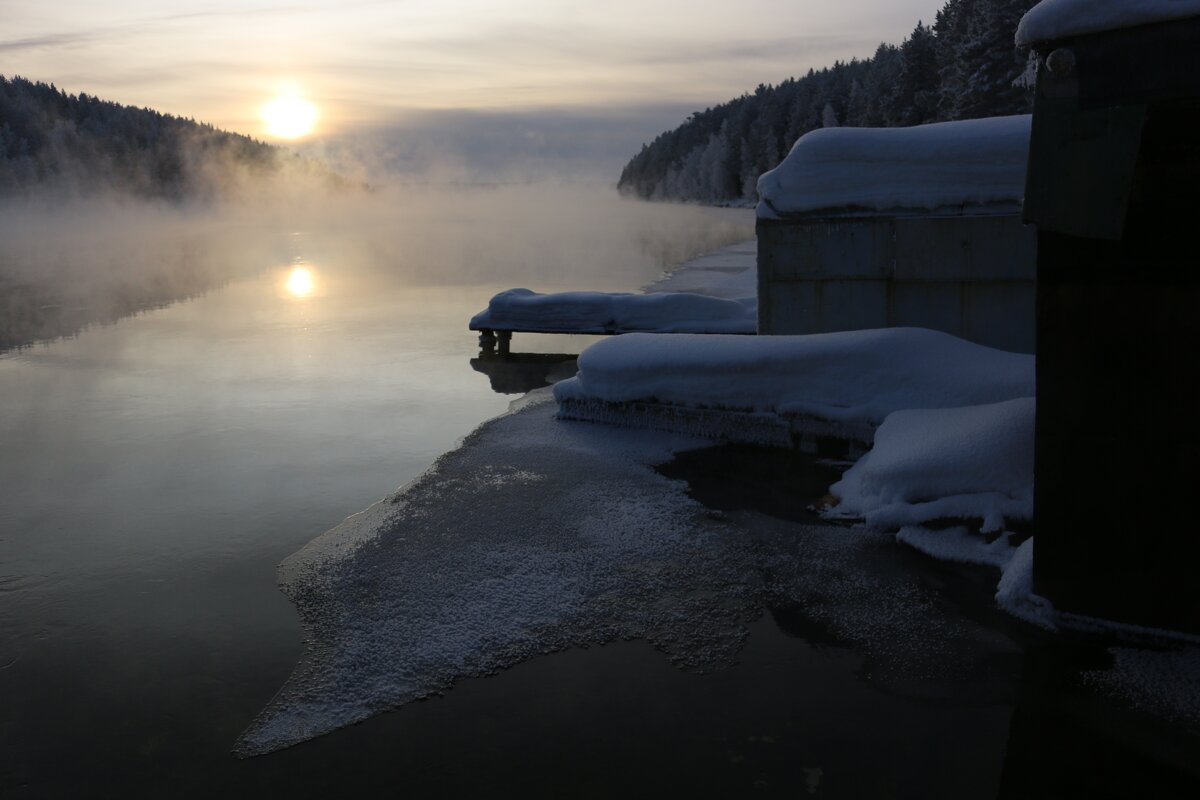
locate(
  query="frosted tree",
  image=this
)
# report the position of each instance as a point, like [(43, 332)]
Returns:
[(829, 117), (964, 65), (914, 97), (83, 145), (992, 65)]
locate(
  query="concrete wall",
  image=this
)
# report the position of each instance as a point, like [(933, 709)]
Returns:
[(972, 276)]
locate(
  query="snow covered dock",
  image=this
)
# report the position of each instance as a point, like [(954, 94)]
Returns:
[(869, 228), (522, 310), (714, 293)]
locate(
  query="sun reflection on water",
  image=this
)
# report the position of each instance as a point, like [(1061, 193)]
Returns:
[(300, 282)]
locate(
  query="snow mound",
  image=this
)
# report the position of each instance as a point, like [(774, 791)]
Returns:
[(1059, 19), (973, 462), (848, 376), (1015, 594), (932, 464), (970, 165), (617, 312)]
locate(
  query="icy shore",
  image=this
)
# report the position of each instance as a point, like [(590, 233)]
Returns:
[(540, 534)]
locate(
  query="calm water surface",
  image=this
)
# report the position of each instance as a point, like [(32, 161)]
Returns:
[(156, 469), (240, 382)]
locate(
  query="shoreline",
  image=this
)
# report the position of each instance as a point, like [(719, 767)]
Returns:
[(928, 629)]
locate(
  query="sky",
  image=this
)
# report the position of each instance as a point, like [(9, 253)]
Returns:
[(558, 77)]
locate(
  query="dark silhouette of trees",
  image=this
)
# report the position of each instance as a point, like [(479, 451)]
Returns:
[(82, 145), (963, 66)]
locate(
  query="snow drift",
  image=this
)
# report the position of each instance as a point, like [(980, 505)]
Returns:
[(974, 462), (1060, 19), (848, 376), (953, 166)]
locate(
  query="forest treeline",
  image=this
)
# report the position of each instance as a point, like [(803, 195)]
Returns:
[(83, 145), (963, 66)]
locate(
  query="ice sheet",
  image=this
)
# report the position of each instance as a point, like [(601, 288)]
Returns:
[(538, 535)]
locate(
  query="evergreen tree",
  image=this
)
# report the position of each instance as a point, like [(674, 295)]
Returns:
[(991, 64), (81, 144), (829, 117), (964, 65), (914, 97)]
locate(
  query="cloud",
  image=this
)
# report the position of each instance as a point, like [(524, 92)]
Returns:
[(365, 62), (471, 144), (138, 26), (45, 40)]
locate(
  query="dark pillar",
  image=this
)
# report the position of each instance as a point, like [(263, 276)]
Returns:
[(1114, 189)]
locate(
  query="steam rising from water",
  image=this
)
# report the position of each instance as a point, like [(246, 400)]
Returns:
[(68, 263)]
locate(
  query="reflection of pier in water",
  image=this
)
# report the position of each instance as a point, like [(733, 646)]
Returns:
[(517, 373)]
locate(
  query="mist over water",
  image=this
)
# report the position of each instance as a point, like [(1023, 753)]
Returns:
[(66, 264), (236, 379)]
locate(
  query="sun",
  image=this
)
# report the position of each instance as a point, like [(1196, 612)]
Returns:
[(300, 282), (289, 116)]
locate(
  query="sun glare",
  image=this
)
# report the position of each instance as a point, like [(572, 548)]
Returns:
[(289, 116), (300, 282)]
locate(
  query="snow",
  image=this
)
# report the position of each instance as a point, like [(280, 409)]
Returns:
[(1050, 20), (604, 312), (480, 564), (947, 463), (966, 166), (1165, 684), (958, 544), (848, 377), (536, 536), (1015, 594), (731, 272), (713, 293), (969, 463)]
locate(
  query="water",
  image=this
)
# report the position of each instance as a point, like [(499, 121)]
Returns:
[(213, 409), (160, 463)]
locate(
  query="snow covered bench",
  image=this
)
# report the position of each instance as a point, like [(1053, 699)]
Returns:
[(868, 228), (524, 311)]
